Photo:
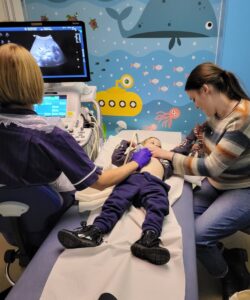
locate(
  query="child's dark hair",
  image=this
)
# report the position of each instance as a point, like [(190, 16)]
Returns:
[(224, 81)]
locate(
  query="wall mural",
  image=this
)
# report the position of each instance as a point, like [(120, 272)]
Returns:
[(141, 53)]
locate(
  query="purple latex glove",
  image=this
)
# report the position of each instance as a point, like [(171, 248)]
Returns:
[(142, 157)]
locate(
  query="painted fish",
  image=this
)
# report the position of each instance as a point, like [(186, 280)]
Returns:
[(72, 18), (154, 81), (178, 69), (135, 65), (178, 83), (93, 24), (158, 67), (151, 127), (163, 88)]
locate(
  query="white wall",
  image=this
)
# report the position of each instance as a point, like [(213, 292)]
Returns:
[(11, 10)]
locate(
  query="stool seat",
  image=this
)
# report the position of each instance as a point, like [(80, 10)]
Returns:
[(27, 215)]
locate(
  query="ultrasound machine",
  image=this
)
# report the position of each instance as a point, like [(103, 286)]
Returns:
[(60, 49)]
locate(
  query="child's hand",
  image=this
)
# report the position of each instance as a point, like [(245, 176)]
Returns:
[(133, 143)]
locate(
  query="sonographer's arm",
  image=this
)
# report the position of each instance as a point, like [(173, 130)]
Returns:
[(114, 176)]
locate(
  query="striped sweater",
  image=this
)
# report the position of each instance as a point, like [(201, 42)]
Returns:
[(227, 151)]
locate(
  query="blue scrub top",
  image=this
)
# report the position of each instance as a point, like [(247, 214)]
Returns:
[(31, 156)]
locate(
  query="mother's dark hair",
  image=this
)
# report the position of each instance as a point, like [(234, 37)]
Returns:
[(223, 81)]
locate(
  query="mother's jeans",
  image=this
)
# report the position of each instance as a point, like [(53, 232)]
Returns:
[(218, 214)]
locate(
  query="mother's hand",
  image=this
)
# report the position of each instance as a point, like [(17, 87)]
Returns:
[(160, 153)]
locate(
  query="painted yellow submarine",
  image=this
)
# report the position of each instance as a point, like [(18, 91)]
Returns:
[(116, 101)]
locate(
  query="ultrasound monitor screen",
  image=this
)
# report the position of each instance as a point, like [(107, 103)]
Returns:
[(60, 48), (52, 106)]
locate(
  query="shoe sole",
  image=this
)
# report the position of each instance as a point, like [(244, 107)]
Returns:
[(157, 256), (70, 241)]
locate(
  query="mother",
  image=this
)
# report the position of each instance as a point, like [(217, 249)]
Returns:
[(222, 203)]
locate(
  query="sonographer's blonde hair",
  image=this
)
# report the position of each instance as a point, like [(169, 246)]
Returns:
[(21, 79)]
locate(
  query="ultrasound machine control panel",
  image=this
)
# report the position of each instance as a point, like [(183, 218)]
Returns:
[(64, 110)]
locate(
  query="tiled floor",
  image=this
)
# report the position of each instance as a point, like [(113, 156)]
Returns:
[(209, 288), (15, 269)]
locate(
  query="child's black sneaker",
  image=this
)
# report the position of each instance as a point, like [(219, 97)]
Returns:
[(147, 248), (84, 236)]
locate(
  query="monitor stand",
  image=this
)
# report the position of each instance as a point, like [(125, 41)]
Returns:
[(77, 87)]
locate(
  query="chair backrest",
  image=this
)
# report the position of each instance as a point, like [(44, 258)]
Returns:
[(41, 208)]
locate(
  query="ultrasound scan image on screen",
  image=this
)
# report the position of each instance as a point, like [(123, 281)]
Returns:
[(60, 48), (47, 52)]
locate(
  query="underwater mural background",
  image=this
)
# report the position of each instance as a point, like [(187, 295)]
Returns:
[(140, 54)]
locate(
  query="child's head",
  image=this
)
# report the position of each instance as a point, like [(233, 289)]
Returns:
[(151, 141)]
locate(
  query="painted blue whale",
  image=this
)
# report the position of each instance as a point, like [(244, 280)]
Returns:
[(174, 19)]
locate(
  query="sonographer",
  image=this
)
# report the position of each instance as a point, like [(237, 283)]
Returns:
[(32, 150)]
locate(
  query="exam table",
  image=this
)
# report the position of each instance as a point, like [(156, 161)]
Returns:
[(32, 281)]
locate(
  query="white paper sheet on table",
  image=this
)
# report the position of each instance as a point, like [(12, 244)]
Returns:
[(87, 273), (84, 274)]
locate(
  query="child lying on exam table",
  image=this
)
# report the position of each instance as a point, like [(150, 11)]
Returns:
[(145, 189), (142, 189)]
